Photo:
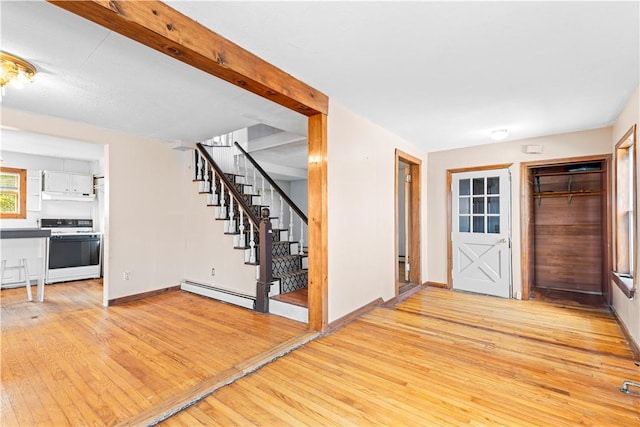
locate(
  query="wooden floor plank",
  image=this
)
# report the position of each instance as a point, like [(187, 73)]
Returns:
[(449, 358), (69, 361), (437, 358)]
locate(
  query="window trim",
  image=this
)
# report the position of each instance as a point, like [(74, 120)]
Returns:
[(626, 278), (22, 194)]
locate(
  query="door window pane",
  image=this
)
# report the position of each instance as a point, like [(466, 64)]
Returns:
[(493, 224), (478, 205), (464, 205), (493, 185), (464, 224), (478, 224), (493, 205), (464, 187), (478, 186)]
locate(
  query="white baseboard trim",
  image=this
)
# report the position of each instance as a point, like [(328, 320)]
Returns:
[(223, 295)]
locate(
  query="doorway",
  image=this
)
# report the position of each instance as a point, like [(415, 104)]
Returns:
[(407, 222), (481, 231), (565, 229)]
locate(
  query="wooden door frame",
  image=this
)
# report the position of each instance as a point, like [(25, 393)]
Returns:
[(450, 173), (526, 216), (415, 166), (160, 27)]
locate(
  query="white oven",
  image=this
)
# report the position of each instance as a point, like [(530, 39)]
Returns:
[(74, 250)]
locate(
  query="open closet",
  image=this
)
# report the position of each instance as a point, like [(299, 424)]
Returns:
[(568, 210)]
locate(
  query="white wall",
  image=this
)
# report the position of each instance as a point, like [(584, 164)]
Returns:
[(361, 178), (597, 141), (206, 246), (144, 210), (628, 310), (299, 194)]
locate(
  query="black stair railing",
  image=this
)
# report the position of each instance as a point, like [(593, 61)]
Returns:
[(265, 241), (273, 184)]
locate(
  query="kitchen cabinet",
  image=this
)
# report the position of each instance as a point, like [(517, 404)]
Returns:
[(81, 184), (58, 184)]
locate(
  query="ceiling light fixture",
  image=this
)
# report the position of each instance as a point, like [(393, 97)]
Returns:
[(499, 135), (15, 70)]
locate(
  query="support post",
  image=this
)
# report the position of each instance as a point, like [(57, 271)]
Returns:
[(264, 282)]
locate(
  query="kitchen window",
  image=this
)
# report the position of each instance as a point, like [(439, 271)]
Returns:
[(13, 189), (625, 221)]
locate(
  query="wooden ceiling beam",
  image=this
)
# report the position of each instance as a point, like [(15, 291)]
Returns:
[(158, 26)]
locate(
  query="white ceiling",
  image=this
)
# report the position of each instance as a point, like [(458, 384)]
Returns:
[(439, 74)]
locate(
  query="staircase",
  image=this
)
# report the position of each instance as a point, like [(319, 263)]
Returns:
[(239, 191)]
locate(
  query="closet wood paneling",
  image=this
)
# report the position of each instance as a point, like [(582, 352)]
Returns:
[(568, 232)]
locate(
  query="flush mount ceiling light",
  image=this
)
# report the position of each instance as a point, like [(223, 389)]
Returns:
[(15, 70), (499, 134)]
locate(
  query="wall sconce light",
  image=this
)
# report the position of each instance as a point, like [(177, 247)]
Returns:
[(499, 134), (15, 70)]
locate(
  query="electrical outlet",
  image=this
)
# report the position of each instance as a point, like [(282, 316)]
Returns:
[(213, 272), (126, 275), (518, 295)]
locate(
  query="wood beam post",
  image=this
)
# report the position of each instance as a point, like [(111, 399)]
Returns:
[(156, 25), (318, 227)]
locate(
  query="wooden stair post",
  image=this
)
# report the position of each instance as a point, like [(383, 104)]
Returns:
[(264, 282)]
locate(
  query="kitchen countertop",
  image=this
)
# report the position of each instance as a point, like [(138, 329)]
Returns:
[(24, 233)]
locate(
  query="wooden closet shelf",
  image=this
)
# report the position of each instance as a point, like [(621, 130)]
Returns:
[(568, 173), (544, 194)]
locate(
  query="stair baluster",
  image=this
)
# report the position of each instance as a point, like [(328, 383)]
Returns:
[(272, 205), (241, 241), (222, 213), (246, 171), (281, 217), (254, 182), (199, 167), (301, 242), (206, 187), (291, 239), (231, 226), (252, 246)]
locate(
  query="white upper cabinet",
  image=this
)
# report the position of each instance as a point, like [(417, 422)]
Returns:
[(57, 182), (67, 185), (81, 184)]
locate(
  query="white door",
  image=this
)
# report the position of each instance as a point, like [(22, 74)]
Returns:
[(481, 232)]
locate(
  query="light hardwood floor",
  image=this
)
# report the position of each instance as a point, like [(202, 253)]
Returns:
[(68, 361), (443, 358)]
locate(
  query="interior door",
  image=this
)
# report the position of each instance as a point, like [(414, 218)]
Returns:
[(406, 179), (481, 231)]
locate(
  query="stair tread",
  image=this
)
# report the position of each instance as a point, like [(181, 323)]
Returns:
[(282, 257), (293, 273)]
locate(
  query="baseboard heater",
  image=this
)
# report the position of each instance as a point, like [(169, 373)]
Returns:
[(224, 295)]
